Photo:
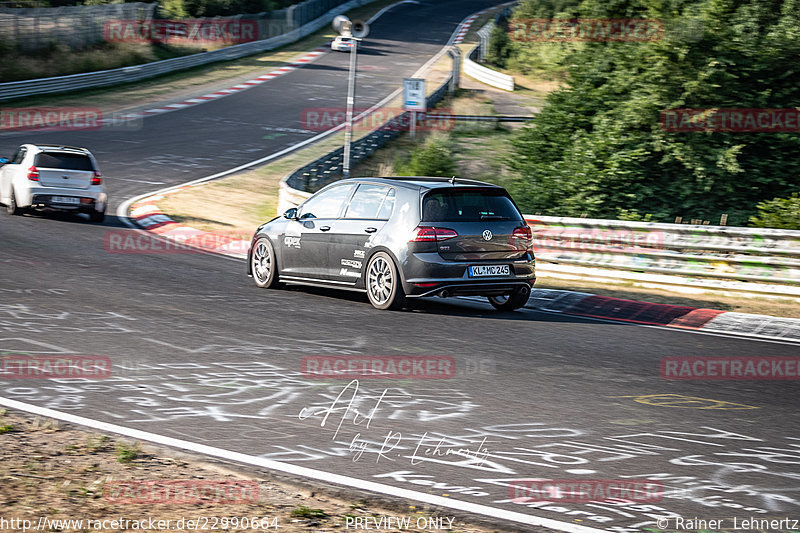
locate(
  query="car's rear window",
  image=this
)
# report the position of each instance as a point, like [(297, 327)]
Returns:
[(473, 205), (63, 161)]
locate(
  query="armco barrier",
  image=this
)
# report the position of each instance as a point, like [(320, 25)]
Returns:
[(19, 89), (484, 74), (729, 253)]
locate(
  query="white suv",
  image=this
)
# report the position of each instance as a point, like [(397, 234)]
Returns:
[(56, 177)]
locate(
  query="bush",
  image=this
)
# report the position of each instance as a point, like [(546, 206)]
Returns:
[(434, 158), (782, 213), (499, 45)]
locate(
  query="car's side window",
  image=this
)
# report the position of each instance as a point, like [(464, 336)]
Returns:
[(327, 204), (371, 202), (19, 156)]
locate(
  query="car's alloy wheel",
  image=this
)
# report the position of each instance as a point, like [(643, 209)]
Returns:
[(12, 207), (384, 289), (510, 302), (262, 263)]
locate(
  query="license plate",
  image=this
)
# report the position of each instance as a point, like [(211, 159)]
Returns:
[(480, 271), (65, 200)]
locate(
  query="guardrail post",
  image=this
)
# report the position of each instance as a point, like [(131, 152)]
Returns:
[(485, 34), (455, 80)]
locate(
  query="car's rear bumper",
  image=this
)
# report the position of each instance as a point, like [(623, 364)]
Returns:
[(427, 274), (50, 197)]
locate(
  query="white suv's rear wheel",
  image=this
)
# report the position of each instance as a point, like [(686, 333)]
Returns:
[(12, 207)]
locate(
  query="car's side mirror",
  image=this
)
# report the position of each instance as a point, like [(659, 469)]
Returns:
[(291, 214), (3, 160)]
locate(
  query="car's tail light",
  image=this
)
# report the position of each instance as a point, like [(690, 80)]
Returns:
[(430, 234), (525, 234), (33, 174), (97, 179)]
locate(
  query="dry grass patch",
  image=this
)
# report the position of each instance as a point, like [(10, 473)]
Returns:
[(70, 474)]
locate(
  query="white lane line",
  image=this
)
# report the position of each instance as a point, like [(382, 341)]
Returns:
[(302, 471)]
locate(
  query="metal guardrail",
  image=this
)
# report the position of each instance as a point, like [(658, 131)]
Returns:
[(484, 74), (743, 254), (20, 89)]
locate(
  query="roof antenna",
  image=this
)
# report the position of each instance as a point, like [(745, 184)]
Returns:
[(453, 180)]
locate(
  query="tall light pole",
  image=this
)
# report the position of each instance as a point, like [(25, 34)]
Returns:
[(351, 100), (355, 31)]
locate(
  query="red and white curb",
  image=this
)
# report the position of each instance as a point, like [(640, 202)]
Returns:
[(294, 65), (149, 217), (673, 316), (464, 28)]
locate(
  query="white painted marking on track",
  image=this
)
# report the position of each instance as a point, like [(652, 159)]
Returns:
[(302, 471)]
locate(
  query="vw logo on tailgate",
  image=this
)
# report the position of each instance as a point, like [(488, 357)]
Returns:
[(487, 235)]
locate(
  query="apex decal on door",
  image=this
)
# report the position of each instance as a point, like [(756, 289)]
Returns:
[(292, 242), (351, 263)]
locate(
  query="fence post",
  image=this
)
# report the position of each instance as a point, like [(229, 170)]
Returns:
[(455, 80)]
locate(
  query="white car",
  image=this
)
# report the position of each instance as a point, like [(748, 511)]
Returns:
[(56, 177), (342, 44)]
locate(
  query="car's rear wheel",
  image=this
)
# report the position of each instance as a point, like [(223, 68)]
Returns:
[(510, 302), (97, 216), (384, 289), (12, 207), (263, 264)]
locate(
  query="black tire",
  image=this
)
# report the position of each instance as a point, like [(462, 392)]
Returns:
[(515, 300), (382, 279), (12, 207), (263, 264), (97, 216)]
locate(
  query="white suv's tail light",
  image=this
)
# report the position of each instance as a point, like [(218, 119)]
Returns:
[(97, 179), (33, 174)]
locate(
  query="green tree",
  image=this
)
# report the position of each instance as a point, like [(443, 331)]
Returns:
[(782, 213), (434, 158), (597, 147)]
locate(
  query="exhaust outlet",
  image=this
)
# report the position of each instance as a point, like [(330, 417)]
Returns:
[(445, 293)]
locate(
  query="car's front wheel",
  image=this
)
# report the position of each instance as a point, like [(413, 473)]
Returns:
[(510, 302), (12, 207), (263, 264), (384, 289)]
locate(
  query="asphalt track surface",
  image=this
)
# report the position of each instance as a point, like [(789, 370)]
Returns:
[(200, 354)]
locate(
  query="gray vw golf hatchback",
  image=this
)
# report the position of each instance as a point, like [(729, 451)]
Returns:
[(399, 238)]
